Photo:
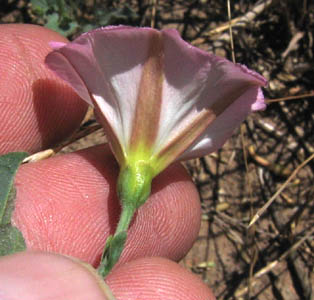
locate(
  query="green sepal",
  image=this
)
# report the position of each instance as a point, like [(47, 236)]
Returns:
[(134, 184), (11, 239), (112, 252)]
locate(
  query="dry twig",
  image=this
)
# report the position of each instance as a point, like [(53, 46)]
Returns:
[(271, 200), (290, 98), (270, 266), (238, 22), (50, 152), (153, 16)]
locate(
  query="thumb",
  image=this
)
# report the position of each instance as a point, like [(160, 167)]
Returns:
[(40, 275)]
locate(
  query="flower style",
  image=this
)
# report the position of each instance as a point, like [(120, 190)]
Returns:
[(158, 98)]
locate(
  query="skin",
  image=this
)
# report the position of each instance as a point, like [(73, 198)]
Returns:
[(67, 205)]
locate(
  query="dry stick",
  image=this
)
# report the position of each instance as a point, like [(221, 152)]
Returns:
[(238, 22), (254, 257), (300, 275), (154, 8), (245, 19), (274, 263), (289, 98), (78, 135), (297, 272), (271, 200), (254, 260), (230, 32), (50, 152), (293, 44), (242, 21), (233, 235)]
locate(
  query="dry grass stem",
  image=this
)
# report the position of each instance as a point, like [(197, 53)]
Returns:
[(230, 32), (243, 20), (50, 152), (290, 98), (83, 132), (39, 156), (153, 16), (270, 266), (271, 200)]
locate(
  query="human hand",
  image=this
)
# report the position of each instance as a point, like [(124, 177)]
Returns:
[(68, 204)]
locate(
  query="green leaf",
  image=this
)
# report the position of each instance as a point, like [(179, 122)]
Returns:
[(40, 7), (53, 22), (11, 240), (88, 27), (122, 15)]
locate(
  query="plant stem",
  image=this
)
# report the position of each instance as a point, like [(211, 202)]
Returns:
[(115, 244), (125, 219)]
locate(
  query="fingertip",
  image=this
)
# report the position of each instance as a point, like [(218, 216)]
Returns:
[(62, 203), (68, 204), (37, 109), (37, 275), (156, 278)]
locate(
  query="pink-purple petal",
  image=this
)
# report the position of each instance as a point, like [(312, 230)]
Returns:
[(196, 80), (56, 45), (62, 67), (223, 127), (105, 67), (109, 62)]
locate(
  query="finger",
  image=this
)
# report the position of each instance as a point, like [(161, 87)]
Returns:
[(57, 277), (156, 278), (37, 109), (68, 205)]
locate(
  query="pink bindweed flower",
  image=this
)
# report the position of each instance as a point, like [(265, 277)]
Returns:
[(158, 98)]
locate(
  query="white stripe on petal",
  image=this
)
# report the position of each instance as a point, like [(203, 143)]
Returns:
[(109, 62), (120, 55)]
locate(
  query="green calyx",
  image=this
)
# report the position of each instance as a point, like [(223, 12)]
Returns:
[(134, 184)]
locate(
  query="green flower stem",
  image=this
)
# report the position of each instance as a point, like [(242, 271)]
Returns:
[(134, 186), (115, 244), (125, 219)]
